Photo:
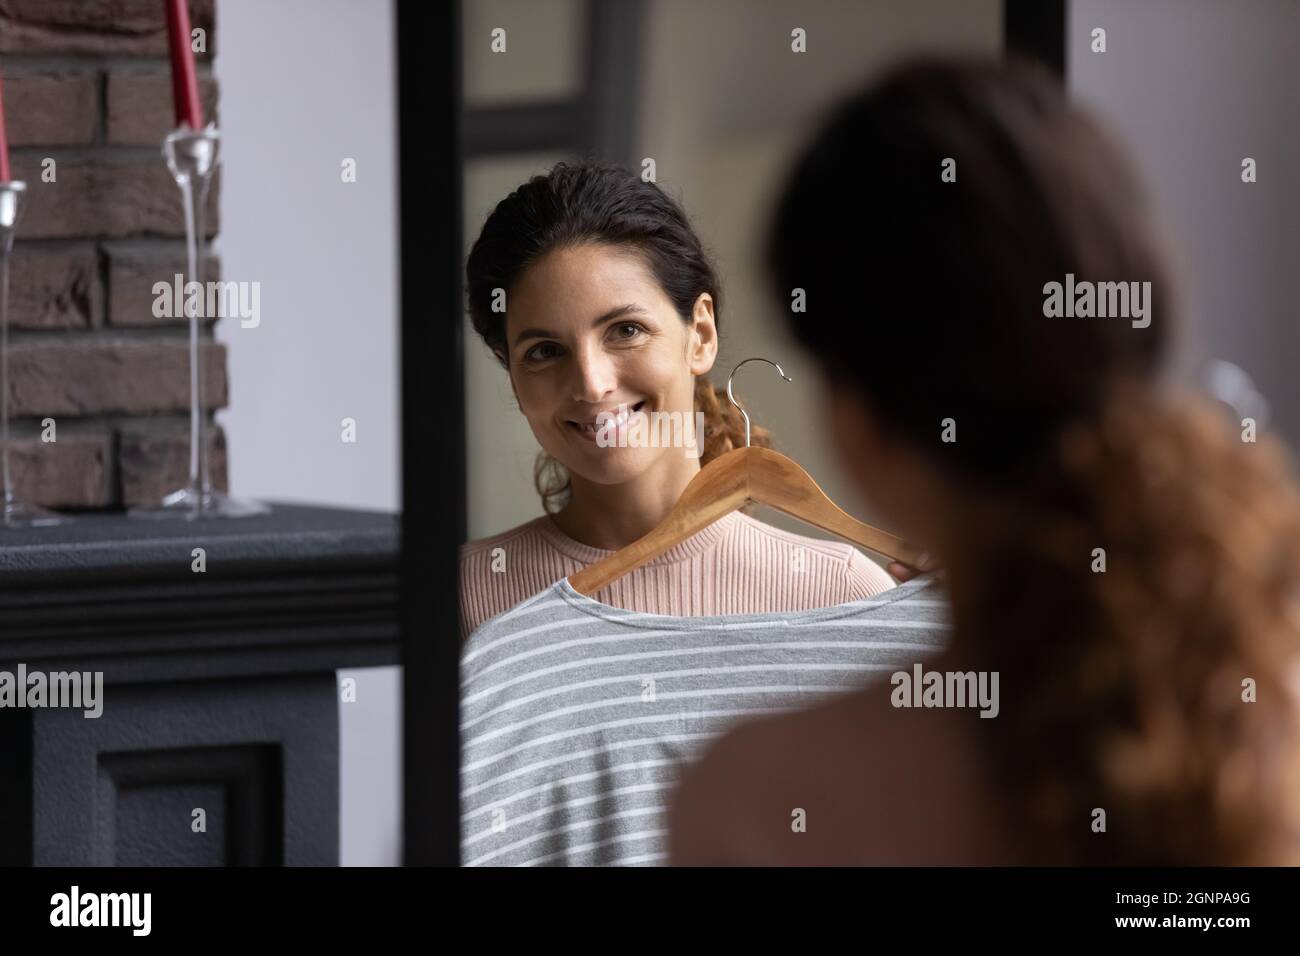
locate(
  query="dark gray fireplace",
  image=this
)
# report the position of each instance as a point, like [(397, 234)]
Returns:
[(218, 739)]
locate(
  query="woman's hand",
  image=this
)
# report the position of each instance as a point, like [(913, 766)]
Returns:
[(905, 572)]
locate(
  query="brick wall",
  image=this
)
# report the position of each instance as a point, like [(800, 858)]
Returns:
[(87, 84)]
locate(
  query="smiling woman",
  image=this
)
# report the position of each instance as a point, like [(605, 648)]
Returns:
[(600, 302)]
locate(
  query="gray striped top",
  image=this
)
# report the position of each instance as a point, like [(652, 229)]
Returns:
[(576, 716)]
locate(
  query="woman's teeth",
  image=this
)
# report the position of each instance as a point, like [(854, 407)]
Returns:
[(620, 419)]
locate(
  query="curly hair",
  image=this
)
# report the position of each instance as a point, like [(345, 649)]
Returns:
[(1117, 552), (603, 203), (1139, 593)]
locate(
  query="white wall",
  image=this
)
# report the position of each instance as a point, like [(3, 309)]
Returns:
[(304, 85), (1192, 87)]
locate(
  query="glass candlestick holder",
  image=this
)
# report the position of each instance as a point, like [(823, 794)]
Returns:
[(192, 159), (15, 514)]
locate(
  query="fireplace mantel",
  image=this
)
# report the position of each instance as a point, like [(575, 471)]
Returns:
[(219, 686)]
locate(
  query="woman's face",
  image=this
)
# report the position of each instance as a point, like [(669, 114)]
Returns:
[(590, 330)]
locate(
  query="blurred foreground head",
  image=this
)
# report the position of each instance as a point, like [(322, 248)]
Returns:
[(1120, 555)]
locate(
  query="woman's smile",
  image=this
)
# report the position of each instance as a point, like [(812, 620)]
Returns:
[(589, 429)]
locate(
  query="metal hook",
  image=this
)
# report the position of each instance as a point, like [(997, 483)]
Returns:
[(731, 395)]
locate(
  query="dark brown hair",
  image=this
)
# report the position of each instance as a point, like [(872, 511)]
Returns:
[(603, 203), (1120, 690)]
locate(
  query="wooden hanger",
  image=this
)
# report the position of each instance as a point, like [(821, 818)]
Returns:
[(726, 484)]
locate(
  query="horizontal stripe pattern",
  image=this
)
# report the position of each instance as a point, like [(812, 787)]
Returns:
[(577, 716)]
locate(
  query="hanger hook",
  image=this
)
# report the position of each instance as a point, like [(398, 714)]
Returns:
[(732, 397)]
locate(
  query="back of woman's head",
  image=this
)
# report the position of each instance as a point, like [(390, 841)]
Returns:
[(1125, 561), (897, 262)]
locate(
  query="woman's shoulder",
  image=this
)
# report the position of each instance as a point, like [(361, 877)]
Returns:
[(500, 570), (529, 529), (864, 578), (877, 786)]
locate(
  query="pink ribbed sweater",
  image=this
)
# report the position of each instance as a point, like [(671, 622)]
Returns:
[(737, 565)]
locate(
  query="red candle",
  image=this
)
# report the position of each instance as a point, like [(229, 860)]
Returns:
[(4, 142), (185, 82)]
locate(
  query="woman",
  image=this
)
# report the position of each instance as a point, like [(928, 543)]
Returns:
[(1124, 563), (597, 297)]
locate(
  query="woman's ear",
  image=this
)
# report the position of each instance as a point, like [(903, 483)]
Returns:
[(702, 336)]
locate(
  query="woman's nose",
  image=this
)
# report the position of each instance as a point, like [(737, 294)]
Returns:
[(595, 377)]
